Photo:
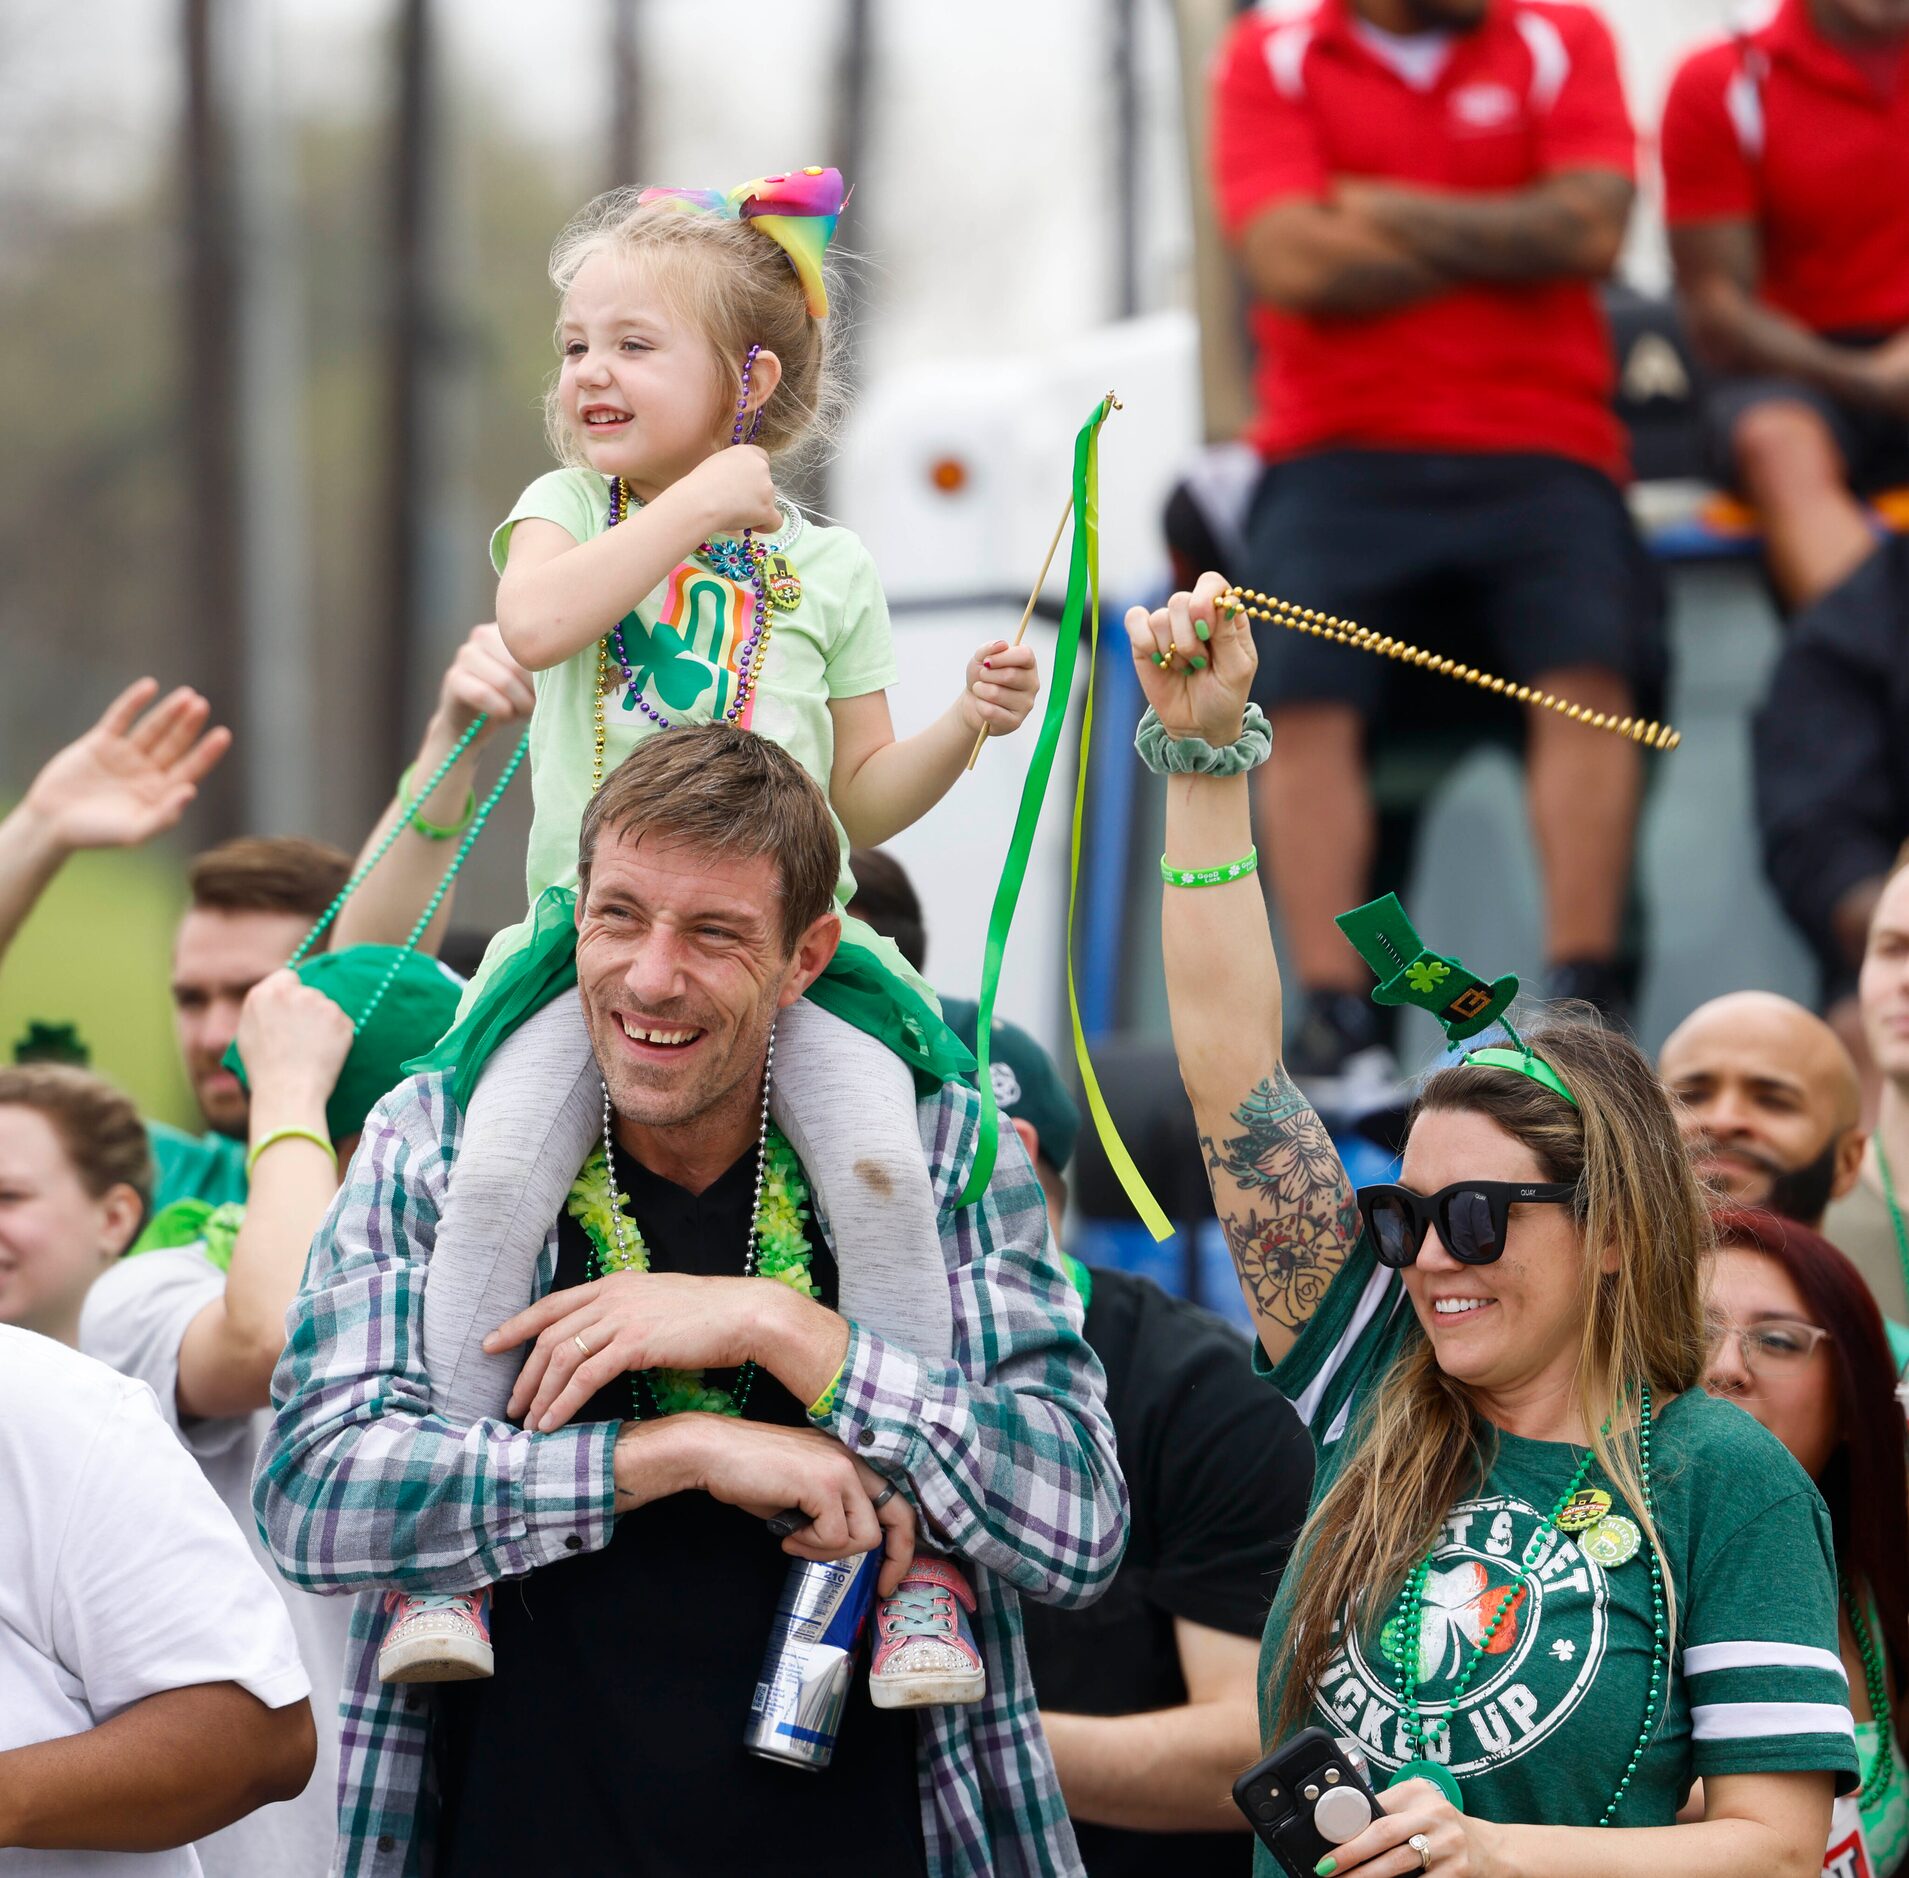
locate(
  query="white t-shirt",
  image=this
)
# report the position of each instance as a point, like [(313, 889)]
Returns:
[(135, 1318), (120, 1576)]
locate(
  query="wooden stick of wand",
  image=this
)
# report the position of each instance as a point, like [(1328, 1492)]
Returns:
[(1020, 632)]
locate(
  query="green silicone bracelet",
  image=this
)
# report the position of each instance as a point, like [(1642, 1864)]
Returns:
[(1208, 876), (433, 831)]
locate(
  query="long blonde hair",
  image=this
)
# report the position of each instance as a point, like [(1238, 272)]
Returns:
[(735, 286), (1421, 1443)]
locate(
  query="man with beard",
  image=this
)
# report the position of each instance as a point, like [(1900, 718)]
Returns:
[(1771, 1104), (1423, 194), (698, 1361)]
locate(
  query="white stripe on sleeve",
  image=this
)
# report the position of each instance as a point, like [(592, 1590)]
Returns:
[(1738, 1721), (1702, 1658), (1309, 1398)]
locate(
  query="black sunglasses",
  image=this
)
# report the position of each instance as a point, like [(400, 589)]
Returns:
[(1470, 1216)]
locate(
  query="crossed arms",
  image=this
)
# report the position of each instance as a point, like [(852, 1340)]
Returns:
[(1373, 246)]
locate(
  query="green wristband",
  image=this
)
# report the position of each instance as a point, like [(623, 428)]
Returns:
[(288, 1134), (432, 831), (1209, 876)]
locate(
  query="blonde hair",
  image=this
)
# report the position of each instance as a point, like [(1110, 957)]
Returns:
[(735, 286), (1421, 1444)]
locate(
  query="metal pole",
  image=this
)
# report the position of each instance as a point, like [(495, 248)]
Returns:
[(626, 76), (277, 750), (210, 418), (1126, 164), (407, 337), (848, 143)]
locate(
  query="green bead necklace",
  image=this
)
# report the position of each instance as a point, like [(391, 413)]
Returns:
[(1895, 1210), (383, 848), (1881, 1776), (1407, 1626), (778, 1248)]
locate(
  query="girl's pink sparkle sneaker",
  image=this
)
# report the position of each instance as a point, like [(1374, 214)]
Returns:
[(924, 1645), (437, 1638)]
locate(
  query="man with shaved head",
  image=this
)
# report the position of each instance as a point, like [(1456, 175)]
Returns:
[(1771, 1105)]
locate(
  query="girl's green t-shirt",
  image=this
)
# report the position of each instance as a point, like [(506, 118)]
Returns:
[(683, 649), (1551, 1717)]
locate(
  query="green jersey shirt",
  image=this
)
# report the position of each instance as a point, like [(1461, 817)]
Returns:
[(205, 1167), (1551, 1716)]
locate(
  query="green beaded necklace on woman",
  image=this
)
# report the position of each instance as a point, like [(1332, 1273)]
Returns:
[(1408, 1621), (1895, 1209), (1881, 1776)]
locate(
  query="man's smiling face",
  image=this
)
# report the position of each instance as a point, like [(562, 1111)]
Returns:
[(683, 964)]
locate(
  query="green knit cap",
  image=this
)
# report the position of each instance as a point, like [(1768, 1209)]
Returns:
[(415, 1011)]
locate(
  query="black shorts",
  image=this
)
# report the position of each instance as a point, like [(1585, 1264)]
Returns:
[(1523, 565), (1874, 444)]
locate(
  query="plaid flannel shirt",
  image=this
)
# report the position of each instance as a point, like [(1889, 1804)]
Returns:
[(1006, 1451)]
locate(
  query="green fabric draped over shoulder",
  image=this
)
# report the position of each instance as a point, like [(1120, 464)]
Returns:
[(857, 988)]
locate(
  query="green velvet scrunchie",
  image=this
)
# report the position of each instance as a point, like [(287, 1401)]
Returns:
[(1194, 756)]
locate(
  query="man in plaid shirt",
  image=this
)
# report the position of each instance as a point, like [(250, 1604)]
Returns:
[(643, 1582)]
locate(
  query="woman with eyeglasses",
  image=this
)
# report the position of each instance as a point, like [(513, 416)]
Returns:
[(1546, 1582), (1799, 1342)]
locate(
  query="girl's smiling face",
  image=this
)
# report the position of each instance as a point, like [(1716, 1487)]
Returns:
[(639, 385)]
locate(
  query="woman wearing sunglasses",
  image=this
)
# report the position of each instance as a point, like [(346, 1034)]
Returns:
[(1800, 1344), (1547, 1582)]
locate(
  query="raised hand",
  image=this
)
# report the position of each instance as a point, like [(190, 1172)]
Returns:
[(1195, 661), (484, 680), (1003, 682), (294, 1041), (132, 775), (732, 490)]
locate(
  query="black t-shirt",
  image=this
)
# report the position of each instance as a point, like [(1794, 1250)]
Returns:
[(610, 1738), (1219, 1469)]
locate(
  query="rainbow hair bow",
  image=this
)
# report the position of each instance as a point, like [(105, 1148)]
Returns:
[(798, 212)]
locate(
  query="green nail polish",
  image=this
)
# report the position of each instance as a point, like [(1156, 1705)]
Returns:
[(1326, 1867), (1159, 658), (1203, 629), (1198, 663)]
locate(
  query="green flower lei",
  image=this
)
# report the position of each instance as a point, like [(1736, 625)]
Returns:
[(783, 1253)]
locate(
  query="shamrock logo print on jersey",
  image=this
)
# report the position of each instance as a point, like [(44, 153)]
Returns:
[(1535, 1672), (1458, 1608)]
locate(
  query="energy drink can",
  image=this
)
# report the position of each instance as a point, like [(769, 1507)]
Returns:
[(811, 1655)]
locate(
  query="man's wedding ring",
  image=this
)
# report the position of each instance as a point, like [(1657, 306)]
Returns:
[(887, 1493), (581, 1345)]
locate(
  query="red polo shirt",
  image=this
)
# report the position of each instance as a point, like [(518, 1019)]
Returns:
[(1782, 128), (1530, 91)]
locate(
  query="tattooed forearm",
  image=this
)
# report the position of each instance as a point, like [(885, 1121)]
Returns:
[(1284, 1202)]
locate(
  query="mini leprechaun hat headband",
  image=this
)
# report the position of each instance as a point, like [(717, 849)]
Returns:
[(1465, 1004)]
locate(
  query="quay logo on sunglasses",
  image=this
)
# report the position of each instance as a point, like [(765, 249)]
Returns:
[(1472, 1216)]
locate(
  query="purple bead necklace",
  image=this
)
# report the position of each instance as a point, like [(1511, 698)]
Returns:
[(737, 561)]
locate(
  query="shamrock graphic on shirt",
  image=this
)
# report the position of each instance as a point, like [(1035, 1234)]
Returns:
[(664, 665)]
